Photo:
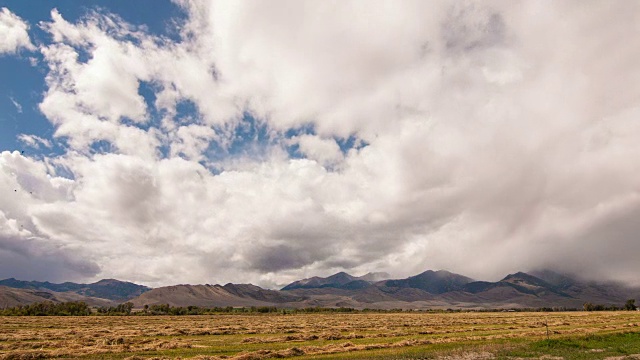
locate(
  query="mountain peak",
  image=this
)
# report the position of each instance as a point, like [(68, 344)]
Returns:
[(375, 276), (519, 274), (532, 284), (336, 280), (110, 281), (341, 276), (556, 279), (522, 276), (439, 272), (434, 282)]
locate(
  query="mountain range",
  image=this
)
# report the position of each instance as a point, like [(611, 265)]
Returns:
[(429, 290), (102, 293)]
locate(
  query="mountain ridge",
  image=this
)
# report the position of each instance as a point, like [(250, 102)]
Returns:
[(110, 289), (427, 290), (340, 280), (10, 297), (433, 282)]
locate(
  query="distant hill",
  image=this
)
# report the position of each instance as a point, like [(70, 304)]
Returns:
[(20, 284), (10, 297), (110, 289), (113, 289), (250, 291), (214, 296)]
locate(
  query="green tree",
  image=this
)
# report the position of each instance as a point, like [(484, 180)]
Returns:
[(630, 304)]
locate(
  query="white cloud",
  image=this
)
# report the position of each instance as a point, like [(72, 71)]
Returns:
[(34, 141), (90, 101), (191, 141), (496, 140), (325, 151), (13, 31), (24, 251), (16, 104)]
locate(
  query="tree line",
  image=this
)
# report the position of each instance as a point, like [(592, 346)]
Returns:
[(79, 308), (48, 308), (630, 305)]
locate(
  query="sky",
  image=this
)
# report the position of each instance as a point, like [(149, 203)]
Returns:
[(266, 141)]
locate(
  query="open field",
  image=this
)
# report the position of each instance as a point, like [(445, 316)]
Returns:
[(579, 335)]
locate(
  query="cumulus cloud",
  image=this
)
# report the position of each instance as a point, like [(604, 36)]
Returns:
[(13, 31), (325, 151), (492, 137), (24, 250)]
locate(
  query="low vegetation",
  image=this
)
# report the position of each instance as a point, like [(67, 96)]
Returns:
[(48, 308), (325, 335), (78, 308)]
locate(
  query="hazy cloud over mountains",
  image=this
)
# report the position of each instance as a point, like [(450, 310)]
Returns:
[(479, 137)]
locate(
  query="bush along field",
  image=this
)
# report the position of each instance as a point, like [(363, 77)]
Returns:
[(326, 335)]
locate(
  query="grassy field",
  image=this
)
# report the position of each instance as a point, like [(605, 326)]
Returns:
[(572, 335)]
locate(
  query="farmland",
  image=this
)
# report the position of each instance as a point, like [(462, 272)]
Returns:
[(584, 335)]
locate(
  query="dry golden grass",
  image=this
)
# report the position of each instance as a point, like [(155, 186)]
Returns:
[(280, 336)]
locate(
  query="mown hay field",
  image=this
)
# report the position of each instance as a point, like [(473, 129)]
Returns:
[(580, 335)]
